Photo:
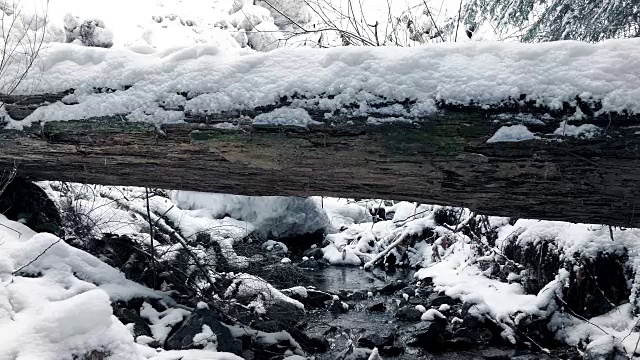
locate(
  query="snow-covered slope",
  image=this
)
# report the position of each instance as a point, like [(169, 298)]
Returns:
[(55, 302)]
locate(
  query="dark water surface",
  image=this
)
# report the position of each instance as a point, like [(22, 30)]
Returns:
[(344, 330)]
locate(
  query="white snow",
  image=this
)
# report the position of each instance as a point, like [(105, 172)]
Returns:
[(262, 337), (245, 285), (275, 216), (431, 315), (161, 322), (483, 73), (207, 339), (512, 133), (581, 131), (189, 355), (285, 116), (298, 290), (460, 279), (65, 311), (202, 305)]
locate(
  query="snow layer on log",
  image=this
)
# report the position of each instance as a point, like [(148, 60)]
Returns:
[(163, 86)]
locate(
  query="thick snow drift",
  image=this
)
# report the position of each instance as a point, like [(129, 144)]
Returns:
[(55, 303), (485, 74)]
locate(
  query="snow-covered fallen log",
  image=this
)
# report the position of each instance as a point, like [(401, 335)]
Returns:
[(545, 131)]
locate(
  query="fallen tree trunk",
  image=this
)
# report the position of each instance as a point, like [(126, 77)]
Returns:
[(442, 159)]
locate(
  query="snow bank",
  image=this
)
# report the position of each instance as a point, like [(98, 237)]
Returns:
[(122, 211), (62, 309), (485, 74), (275, 216)]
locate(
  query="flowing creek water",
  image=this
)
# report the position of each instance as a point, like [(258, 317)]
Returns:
[(343, 330)]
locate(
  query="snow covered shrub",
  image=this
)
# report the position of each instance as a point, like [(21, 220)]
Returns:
[(288, 12), (265, 37), (88, 32), (22, 34), (249, 17)]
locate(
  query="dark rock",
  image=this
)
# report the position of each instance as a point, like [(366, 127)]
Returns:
[(391, 288), (441, 299), (390, 261), (25, 201), (269, 326), (408, 314), (461, 343), (316, 299), (128, 316), (378, 214), (379, 339), (120, 251), (297, 244), (391, 351), (478, 336), (425, 334), (318, 344), (538, 331), (182, 338), (357, 296), (471, 322), (287, 314), (409, 291), (337, 307), (426, 282), (379, 307), (316, 253), (322, 263), (414, 301), (309, 264)]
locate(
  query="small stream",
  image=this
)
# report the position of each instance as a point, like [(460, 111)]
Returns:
[(343, 329)]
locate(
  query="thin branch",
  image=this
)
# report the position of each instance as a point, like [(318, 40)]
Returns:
[(458, 24), (153, 264), (36, 258)]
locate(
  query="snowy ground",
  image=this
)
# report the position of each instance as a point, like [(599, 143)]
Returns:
[(55, 300), (451, 259), (74, 289), (66, 311)]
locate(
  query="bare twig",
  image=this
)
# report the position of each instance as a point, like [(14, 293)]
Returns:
[(36, 258), (458, 24), (153, 253)]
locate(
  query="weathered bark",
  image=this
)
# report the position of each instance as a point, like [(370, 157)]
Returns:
[(443, 159)]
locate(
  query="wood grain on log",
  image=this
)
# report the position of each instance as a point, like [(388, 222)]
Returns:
[(442, 159)]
